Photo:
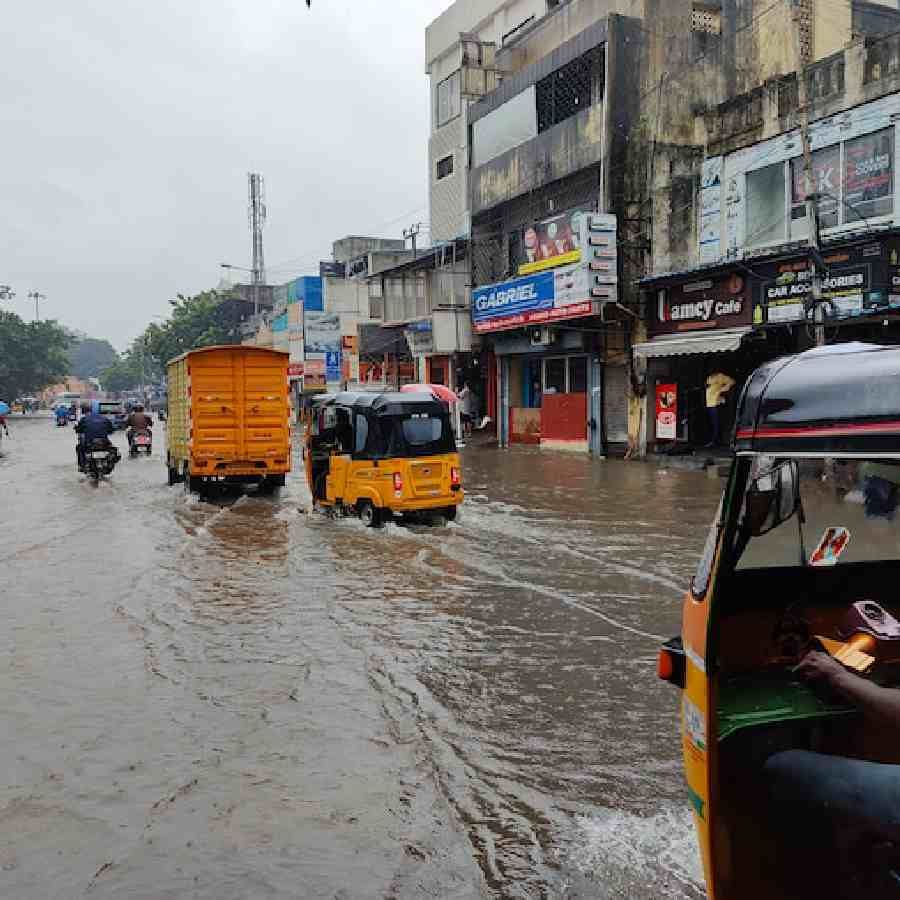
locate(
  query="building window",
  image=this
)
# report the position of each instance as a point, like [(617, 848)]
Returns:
[(570, 89), (448, 99), (555, 376), (853, 181), (765, 206), (445, 167), (826, 182), (868, 182)]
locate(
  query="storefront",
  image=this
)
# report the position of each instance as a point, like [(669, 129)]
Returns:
[(702, 347), (730, 319), (545, 331)]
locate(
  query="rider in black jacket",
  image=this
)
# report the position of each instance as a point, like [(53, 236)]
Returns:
[(90, 428)]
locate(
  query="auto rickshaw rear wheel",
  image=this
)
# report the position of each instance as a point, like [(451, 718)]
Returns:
[(370, 515)]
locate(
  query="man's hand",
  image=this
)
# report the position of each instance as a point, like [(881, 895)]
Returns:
[(819, 668)]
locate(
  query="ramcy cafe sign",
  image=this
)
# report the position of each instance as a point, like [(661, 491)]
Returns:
[(701, 305)]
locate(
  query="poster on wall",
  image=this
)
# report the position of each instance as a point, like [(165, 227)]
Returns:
[(666, 411), (711, 209), (553, 242), (322, 332), (868, 174)]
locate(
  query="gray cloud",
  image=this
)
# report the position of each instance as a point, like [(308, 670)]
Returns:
[(128, 129)]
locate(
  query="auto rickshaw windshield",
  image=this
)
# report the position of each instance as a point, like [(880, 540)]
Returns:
[(409, 435), (818, 512)]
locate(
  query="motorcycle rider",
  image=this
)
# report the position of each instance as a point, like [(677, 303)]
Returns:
[(138, 420), (92, 427)]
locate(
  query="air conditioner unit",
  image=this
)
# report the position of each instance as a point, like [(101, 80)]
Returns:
[(541, 337)]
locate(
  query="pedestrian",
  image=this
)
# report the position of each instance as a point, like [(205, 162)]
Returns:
[(465, 409), (718, 384)]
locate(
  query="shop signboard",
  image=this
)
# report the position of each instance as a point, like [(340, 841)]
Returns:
[(535, 299), (295, 370), (666, 411), (333, 366), (861, 280), (420, 337), (702, 304)]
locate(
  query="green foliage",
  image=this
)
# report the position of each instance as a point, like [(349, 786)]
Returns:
[(204, 320), (132, 369), (32, 355), (88, 357)]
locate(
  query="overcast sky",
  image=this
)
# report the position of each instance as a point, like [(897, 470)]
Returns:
[(129, 127)]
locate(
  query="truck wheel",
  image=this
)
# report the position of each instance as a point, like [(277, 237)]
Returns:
[(173, 476), (450, 513), (370, 515)]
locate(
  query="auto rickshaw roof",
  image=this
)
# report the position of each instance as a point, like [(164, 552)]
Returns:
[(844, 398), (384, 404)]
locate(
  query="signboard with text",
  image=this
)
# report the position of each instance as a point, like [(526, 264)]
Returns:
[(861, 280), (705, 303)]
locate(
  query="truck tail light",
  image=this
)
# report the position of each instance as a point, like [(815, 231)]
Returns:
[(454, 477), (398, 484)]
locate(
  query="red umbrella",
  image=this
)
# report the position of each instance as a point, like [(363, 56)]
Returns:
[(438, 391)]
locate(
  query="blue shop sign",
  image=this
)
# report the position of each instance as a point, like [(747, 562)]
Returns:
[(513, 297)]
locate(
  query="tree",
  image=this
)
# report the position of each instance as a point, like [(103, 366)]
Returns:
[(204, 320), (132, 369), (89, 356), (32, 355)]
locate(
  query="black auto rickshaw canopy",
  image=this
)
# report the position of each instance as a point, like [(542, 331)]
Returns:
[(844, 398), (370, 425)]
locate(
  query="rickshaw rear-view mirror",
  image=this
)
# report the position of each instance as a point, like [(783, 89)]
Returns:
[(773, 497)]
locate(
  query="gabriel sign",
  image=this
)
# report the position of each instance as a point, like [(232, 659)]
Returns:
[(701, 305)]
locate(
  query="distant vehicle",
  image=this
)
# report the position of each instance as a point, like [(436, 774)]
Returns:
[(99, 460), (229, 418), (141, 442), (114, 410)]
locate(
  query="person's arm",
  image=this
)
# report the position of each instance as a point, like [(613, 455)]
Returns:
[(873, 700)]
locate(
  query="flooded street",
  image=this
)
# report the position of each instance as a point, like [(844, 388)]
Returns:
[(244, 699)]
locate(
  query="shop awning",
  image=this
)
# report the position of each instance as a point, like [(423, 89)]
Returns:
[(683, 344)]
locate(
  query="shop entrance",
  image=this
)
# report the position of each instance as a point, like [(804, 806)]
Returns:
[(548, 400)]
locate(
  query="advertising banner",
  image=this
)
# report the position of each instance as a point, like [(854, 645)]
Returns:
[(553, 242), (868, 173), (666, 411), (314, 375), (862, 280), (322, 332), (711, 209), (534, 299), (703, 304), (333, 366)]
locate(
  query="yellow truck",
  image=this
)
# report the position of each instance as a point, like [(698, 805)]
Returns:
[(229, 418)]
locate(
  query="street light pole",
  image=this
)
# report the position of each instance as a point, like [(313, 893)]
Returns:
[(37, 297), (6, 292)]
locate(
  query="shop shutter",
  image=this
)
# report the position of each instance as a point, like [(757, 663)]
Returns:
[(616, 401)]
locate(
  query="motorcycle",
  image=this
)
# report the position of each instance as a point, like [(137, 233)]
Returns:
[(62, 419), (141, 442), (100, 459)]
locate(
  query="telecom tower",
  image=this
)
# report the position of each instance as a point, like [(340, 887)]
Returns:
[(256, 213)]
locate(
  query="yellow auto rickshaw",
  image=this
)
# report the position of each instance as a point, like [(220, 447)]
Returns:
[(382, 455), (789, 655)]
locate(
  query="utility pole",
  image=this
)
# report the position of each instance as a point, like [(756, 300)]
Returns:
[(6, 292), (412, 233), (34, 295), (817, 264), (256, 213)]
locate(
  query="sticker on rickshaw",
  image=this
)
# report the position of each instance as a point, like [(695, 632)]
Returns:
[(833, 543), (694, 724)]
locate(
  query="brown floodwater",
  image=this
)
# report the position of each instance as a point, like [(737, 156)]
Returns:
[(246, 699)]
